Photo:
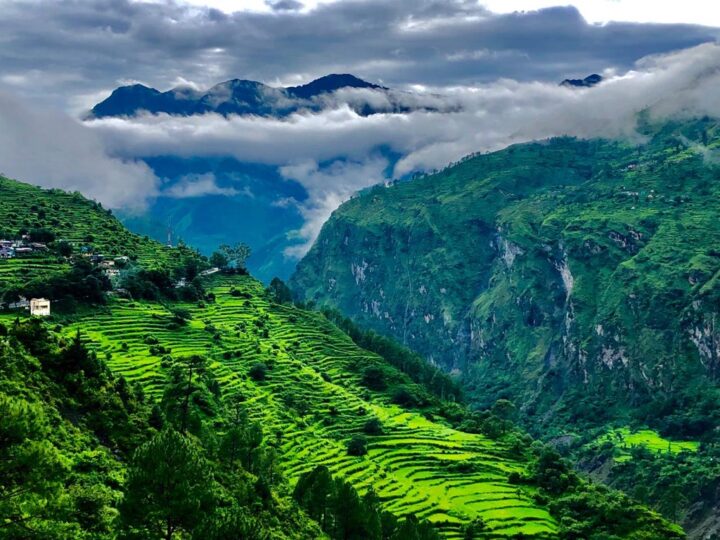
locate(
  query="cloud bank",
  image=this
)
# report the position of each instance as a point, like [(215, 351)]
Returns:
[(337, 152), (72, 53), (50, 149)]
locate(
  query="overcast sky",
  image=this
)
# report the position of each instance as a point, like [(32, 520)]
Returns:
[(72, 53), (491, 72)]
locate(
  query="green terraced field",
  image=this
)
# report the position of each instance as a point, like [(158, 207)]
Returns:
[(74, 219), (624, 439), (23, 270), (410, 466)]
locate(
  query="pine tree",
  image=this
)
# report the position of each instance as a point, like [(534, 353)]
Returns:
[(168, 483)]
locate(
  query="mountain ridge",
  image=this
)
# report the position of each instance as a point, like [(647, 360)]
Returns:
[(235, 96), (576, 278), (250, 390)]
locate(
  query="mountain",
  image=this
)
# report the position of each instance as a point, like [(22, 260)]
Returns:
[(250, 202), (182, 401), (577, 278), (587, 82), (328, 84), (236, 96)]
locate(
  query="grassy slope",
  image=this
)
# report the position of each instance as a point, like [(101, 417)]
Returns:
[(624, 440), (466, 267), (74, 219), (412, 466), (407, 466)]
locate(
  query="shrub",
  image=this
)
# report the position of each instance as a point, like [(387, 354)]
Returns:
[(374, 378), (258, 372), (357, 446), (405, 396), (373, 427)]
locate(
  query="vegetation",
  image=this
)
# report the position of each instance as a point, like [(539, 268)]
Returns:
[(173, 416), (575, 278)]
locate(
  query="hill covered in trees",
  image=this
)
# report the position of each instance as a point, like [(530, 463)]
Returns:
[(222, 411), (577, 278)]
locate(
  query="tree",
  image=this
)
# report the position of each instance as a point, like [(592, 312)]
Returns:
[(357, 446), (373, 427), (168, 483), (505, 410), (242, 443), (349, 522), (374, 378), (474, 529), (314, 492), (279, 291), (186, 396), (233, 523), (31, 468), (258, 371), (180, 315), (64, 248), (219, 260), (236, 255)]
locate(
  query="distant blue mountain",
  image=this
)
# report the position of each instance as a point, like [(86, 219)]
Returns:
[(236, 96), (252, 203), (250, 213), (587, 82)]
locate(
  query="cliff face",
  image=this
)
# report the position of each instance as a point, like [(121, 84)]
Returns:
[(583, 271)]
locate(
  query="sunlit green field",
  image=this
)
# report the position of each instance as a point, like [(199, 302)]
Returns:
[(417, 466), (624, 439)]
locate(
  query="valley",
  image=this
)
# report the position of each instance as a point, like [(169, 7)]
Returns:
[(312, 393)]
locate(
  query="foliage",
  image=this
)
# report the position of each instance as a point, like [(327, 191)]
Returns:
[(126, 379), (576, 278), (344, 515), (357, 446), (402, 358), (167, 488)]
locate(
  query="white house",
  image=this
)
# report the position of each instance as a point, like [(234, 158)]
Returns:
[(40, 307)]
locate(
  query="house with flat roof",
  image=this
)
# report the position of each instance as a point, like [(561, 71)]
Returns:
[(40, 307)]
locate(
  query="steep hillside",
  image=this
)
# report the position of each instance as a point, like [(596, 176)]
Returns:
[(257, 394), (577, 278), (65, 226), (543, 270)]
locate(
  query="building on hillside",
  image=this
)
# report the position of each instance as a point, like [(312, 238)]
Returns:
[(40, 307), (7, 252), (111, 272), (22, 303)]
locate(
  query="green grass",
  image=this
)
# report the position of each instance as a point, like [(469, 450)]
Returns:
[(625, 439), (409, 466), (86, 225)]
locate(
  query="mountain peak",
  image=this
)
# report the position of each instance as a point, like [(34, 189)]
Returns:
[(587, 82), (329, 83), (235, 96)]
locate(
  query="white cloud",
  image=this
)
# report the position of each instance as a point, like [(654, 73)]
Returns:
[(50, 149), (478, 118), (193, 186), (602, 11), (328, 188)]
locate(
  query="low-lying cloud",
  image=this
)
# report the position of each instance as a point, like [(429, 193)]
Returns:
[(193, 186), (336, 152), (52, 150)]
